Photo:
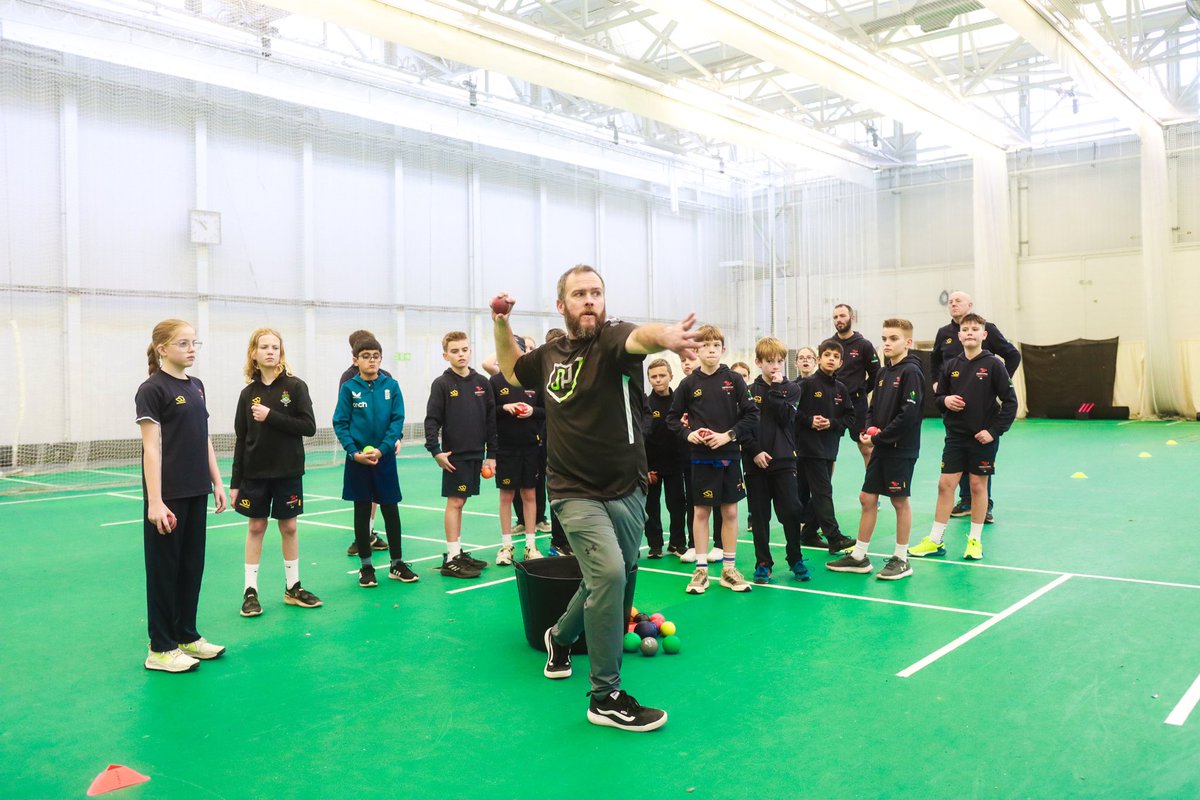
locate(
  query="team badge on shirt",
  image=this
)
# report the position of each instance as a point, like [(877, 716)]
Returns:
[(285, 399), (180, 400), (256, 400), (564, 376), (454, 392), (818, 394), (504, 391)]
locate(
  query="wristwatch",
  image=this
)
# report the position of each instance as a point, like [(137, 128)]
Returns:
[(732, 435)]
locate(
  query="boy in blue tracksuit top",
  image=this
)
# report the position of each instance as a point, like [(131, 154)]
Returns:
[(769, 457), (368, 422), (894, 430)]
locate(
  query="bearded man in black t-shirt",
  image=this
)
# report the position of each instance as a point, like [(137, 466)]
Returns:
[(592, 381)]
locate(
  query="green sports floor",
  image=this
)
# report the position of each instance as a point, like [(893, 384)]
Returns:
[(1058, 667)]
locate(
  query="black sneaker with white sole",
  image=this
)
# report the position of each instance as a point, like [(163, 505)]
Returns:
[(250, 605), (366, 578), (401, 571), (618, 709), (558, 658), (299, 596), (457, 568)]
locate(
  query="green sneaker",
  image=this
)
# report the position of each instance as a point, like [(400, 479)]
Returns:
[(927, 547), (974, 550)]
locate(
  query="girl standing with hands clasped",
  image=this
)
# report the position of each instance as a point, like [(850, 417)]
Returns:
[(274, 414), (179, 471)]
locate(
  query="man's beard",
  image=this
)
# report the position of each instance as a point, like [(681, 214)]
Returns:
[(842, 327), (576, 329)]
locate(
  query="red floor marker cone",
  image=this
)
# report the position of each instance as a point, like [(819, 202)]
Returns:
[(115, 777)]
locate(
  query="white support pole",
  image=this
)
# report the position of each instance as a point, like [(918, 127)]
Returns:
[(308, 255), (73, 334)]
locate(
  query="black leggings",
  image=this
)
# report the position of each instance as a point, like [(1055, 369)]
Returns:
[(362, 528)]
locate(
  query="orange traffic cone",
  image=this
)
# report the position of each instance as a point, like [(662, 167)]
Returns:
[(115, 777)]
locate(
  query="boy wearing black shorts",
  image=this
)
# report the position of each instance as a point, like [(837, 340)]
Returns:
[(519, 416), (368, 422), (720, 412), (894, 433), (460, 433), (975, 392)]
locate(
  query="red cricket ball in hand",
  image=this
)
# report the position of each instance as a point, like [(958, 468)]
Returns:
[(872, 431), (501, 304)]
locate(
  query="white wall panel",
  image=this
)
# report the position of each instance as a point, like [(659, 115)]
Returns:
[(509, 220), (624, 255), (30, 229)]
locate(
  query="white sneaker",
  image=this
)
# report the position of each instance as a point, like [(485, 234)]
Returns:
[(202, 649), (689, 556), (504, 558), (699, 582), (543, 527), (171, 661), (715, 555), (518, 528), (732, 579), (532, 552)]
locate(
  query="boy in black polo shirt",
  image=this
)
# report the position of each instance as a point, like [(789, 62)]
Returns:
[(519, 416), (824, 412), (720, 412), (894, 432), (460, 433), (769, 457), (976, 394), (666, 459)]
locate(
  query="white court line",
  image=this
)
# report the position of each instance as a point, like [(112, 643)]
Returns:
[(1179, 714), (979, 565), (509, 579), (402, 536), (436, 508), (1128, 422), (64, 497), (839, 594), (125, 496), (1176, 422), (134, 476), (25, 480), (978, 629)]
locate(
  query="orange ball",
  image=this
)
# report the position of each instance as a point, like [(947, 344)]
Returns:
[(633, 612), (486, 472)]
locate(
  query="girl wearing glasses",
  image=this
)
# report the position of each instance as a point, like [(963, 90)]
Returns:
[(274, 414), (179, 472)]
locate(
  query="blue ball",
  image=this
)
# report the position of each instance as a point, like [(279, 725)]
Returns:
[(646, 629)]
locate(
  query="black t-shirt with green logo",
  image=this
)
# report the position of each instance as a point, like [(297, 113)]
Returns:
[(593, 392)]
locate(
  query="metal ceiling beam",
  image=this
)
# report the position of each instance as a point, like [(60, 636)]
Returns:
[(847, 69), (1076, 47), (494, 41)]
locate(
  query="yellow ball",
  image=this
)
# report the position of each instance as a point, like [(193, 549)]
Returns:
[(368, 449), (667, 628)]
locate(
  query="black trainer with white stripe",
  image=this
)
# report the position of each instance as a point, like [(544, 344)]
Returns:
[(618, 709)]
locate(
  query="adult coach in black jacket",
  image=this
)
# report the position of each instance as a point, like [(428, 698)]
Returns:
[(947, 346), (860, 368)]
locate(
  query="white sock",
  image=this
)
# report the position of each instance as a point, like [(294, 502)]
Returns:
[(506, 539), (702, 560), (531, 541), (453, 548), (901, 551), (976, 531), (938, 532), (860, 549), (252, 576), (291, 573)]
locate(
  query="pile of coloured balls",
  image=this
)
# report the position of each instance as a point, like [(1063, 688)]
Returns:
[(644, 631)]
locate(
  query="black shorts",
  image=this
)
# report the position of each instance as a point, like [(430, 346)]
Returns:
[(464, 481), (889, 476), (860, 416), (278, 498), (961, 454), (362, 483), (715, 485), (519, 468)]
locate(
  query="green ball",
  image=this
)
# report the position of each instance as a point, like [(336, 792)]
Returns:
[(671, 645), (632, 642)]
